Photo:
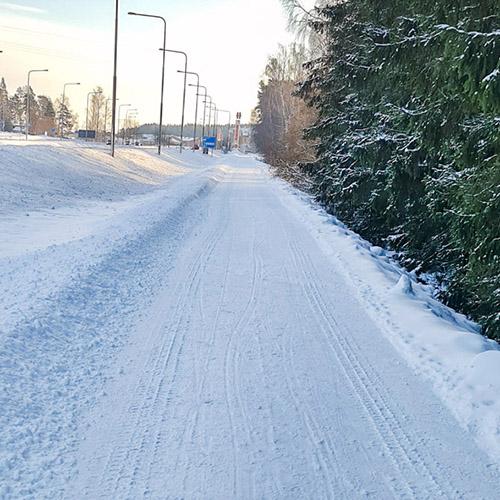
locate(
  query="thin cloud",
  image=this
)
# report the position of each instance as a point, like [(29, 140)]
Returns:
[(17, 7)]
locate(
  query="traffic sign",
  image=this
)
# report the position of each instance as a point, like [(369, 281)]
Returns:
[(209, 142), (86, 134)]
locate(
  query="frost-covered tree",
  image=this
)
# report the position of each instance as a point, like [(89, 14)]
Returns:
[(46, 107), (5, 113), (17, 106), (65, 118), (96, 111), (408, 97), (43, 121)]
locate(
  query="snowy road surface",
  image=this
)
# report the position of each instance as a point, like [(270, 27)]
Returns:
[(216, 352)]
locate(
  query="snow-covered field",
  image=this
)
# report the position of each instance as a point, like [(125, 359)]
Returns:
[(189, 327)]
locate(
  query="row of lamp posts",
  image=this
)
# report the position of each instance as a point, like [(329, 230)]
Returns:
[(185, 72)]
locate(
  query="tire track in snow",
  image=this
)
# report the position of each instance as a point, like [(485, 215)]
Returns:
[(400, 446), (370, 378), (325, 454), (229, 363), (183, 325), (147, 391), (205, 256), (193, 421), (328, 470), (150, 395), (79, 328)]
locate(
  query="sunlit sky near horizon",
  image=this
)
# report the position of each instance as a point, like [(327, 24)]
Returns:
[(228, 42)]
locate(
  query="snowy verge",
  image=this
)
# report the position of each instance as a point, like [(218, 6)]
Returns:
[(49, 174), (67, 309), (437, 342)]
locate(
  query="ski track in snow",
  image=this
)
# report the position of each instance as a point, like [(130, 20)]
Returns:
[(215, 352)]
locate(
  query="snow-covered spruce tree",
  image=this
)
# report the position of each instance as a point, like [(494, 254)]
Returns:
[(5, 113), (65, 118), (44, 121), (408, 98), (18, 106)]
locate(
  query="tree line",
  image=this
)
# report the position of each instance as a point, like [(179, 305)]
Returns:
[(55, 117), (401, 140), (45, 115)]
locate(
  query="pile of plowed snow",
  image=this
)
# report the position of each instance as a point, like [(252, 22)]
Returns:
[(49, 173)]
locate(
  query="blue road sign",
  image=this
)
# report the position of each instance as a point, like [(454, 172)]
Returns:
[(86, 134), (209, 142)]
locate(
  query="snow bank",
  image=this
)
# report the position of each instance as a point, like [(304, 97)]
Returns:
[(46, 174), (65, 307), (64, 205), (437, 342)]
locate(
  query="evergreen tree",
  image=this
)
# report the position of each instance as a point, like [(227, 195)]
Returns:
[(17, 107), (65, 118), (408, 97), (5, 114), (43, 122), (46, 107)]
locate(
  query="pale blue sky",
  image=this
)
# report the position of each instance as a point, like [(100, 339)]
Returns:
[(96, 13), (228, 42)]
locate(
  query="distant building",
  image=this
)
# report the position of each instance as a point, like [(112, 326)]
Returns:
[(148, 139)]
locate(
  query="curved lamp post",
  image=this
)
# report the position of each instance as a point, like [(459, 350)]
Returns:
[(119, 112), (184, 93), (216, 117), (228, 127), (87, 115), (212, 127), (115, 66), (131, 110), (196, 109), (204, 107), (205, 102), (106, 116), (28, 97), (162, 70), (63, 103)]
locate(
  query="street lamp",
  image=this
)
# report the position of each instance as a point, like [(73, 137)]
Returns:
[(28, 97), (106, 115), (87, 115), (205, 102), (131, 110), (115, 66), (63, 104), (211, 107), (132, 116), (228, 127), (184, 93), (119, 112), (215, 123), (204, 107), (196, 108), (162, 70)]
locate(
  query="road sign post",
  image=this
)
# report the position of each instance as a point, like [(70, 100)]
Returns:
[(209, 143)]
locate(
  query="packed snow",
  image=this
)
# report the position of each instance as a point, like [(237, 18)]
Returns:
[(191, 327)]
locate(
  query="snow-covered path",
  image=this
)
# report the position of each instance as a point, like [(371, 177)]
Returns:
[(256, 374), (205, 346)]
